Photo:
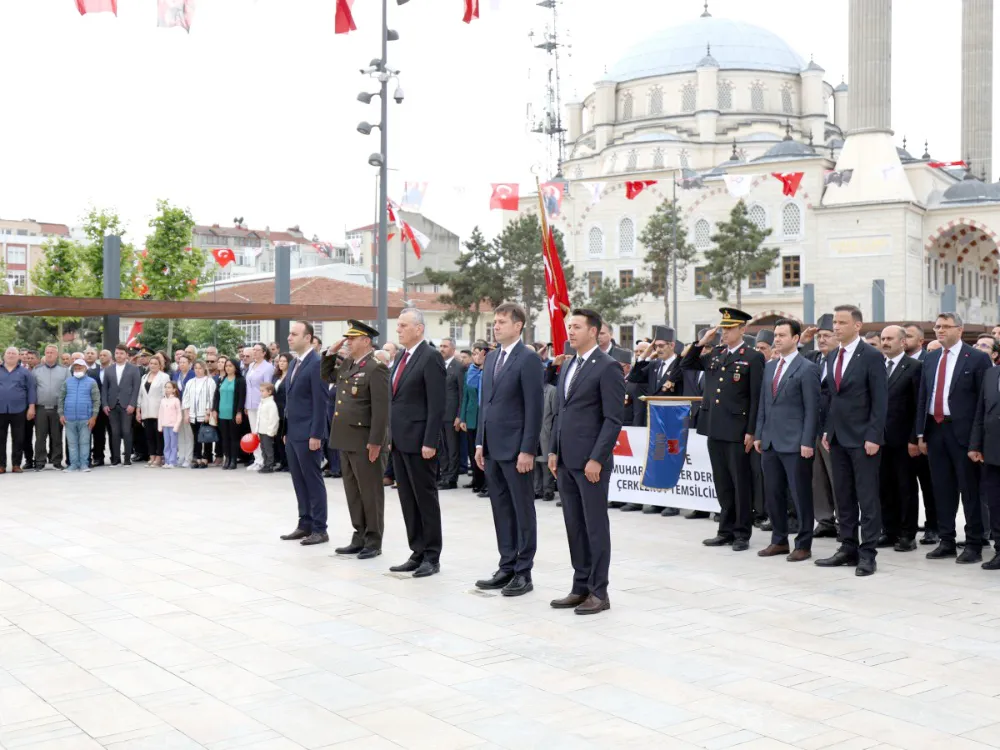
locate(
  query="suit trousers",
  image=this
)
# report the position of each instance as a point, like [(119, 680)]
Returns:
[(307, 480), (760, 507), (512, 496), (449, 453), (953, 474), (824, 504), (923, 470), (365, 496), (47, 425), (898, 484), (139, 444), (185, 444), (121, 429), (991, 497), (588, 530), (16, 424), (99, 437), (856, 482), (733, 487), (29, 441), (478, 475), (416, 479), (789, 474)]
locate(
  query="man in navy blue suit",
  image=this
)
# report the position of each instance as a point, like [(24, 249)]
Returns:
[(306, 400), (950, 382), (590, 403), (510, 421)]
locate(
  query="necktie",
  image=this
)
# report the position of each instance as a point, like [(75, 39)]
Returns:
[(576, 374), (839, 372), (939, 388), (500, 361), (399, 372), (295, 371), (888, 368), (777, 378)]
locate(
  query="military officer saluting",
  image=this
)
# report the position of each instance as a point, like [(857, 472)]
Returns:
[(733, 374), (360, 431)]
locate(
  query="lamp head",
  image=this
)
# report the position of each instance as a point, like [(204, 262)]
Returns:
[(365, 98), (392, 35), (375, 160), (364, 127)]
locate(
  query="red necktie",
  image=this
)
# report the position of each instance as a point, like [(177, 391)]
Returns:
[(399, 372), (777, 378), (839, 372), (939, 388)]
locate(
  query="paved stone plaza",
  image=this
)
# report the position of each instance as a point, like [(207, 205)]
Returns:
[(158, 610)]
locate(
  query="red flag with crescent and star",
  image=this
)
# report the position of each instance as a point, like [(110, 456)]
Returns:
[(632, 189), (505, 196), (223, 256), (133, 335), (790, 181), (344, 22), (471, 10), (555, 281), (97, 6)]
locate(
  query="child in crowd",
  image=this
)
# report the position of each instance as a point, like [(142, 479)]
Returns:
[(169, 417), (267, 426)]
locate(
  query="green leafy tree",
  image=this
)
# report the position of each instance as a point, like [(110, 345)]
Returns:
[(658, 239), (739, 253), (58, 276), (33, 333), (479, 278), (98, 224), (8, 323), (615, 303), (222, 334)]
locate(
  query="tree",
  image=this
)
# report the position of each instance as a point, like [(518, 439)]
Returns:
[(96, 226), (738, 254), (479, 278), (221, 334), (33, 333), (613, 302), (658, 239), (57, 275)]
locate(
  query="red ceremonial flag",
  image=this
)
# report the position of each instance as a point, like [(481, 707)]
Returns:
[(939, 164), (471, 10), (345, 21), (555, 281), (505, 196), (223, 256), (789, 181), (97, 6), (632, 189), (416, 239), (133, 335)]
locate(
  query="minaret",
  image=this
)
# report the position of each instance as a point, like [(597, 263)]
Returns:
[(977, 85), (877, 174)]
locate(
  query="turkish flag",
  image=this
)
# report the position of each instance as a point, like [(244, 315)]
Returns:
[(555, 292), (939, 164), (622, 445), (790, 181), (223, 256), (505, 196), (632, 189), (471, 10), (417, 239), (97, 6), (133, 335), (345, 21)]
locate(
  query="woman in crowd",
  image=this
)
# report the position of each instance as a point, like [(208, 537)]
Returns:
[(199, 395), (469, 411), (150, 395), (282, 364), (259, 371), (230, 394)]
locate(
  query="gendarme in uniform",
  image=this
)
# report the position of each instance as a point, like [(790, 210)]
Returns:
[(360, 419)]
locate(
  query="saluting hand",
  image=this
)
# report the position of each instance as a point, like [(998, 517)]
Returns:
[(709, 336), (808, 334)]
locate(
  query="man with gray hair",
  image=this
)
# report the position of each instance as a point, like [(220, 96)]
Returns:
[(49, 377), (17, 403)]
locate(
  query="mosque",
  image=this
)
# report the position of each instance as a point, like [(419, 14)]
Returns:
[(720, 106)]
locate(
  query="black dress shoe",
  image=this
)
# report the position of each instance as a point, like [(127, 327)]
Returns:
[(350, 549), (426, 569), (498, 581), (315, 538), (942, 551), (448, 486), (650, 510), (408, 567), (295, 535), (483, 493), (840, 557), (740, 545), (970, 555), (518, 585), (369, 553), (549, 496), (718, 541), (766, 525), (885, 541), (993, 564), (615, 503), (631, 507), (128, 462), (469, 486), (930, 537), (865, 567), (825, 530), (905, 544), (668, 512), (569, 601)]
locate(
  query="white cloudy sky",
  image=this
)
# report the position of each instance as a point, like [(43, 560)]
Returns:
[(253, 114)]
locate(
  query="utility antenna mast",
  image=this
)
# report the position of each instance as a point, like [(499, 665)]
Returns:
[(549, 122)]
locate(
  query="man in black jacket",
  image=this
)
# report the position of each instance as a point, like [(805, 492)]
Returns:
[(984, 448), (454, 385), (824, 505), (915, 348)]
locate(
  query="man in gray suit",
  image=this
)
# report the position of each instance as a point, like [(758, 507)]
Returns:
[(787, 420), (119, 396)]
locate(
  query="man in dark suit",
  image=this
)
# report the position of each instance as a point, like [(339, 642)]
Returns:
[(728, 416), (764, 343), (950, 385), (785, 438), (984, 448), (824, 505), (450, 432), (897, 472), (306, 399), (415, 417), (119, 397), (915, 348), (591, 397), (510, 422), (606, 341), (854, 433)]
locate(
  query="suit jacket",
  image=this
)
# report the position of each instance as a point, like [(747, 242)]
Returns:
[(361, 414), (418, 405), (966, 383), (240, 396), (454, 385), (306, 400), (904, 388), (510, 417), (789, 419), (731, 390), (588, 424), (95, 373), (122, 394), (985, 437), (858, 410)]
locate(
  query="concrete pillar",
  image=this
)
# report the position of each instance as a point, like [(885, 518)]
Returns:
[(840, 106), (604, 112), (112, 287), (574, 121), (282, 289), (870, 64), (977, 85)]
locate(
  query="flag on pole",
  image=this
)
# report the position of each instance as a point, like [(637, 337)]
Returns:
[(223, 256), (417, 239), (133, 335), (739, 185), (790, 181), (174, 13), (344, 21), (471, 10), (552, 198), (505, 196), (97, 6), (940, 164), (413, 195), (324, 248), (632, 189), (665, 455), (555, 281)]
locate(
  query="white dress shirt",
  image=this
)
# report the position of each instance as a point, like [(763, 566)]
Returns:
[(848, 355), (663, 367), (572, 369), (119, 369), (895, 361), (787, 359), (949, 371)]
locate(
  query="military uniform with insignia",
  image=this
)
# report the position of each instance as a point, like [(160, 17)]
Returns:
[(728, 415), (361, 419)]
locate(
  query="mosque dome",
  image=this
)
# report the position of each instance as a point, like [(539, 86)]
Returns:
[(735, 45), (970, 189)]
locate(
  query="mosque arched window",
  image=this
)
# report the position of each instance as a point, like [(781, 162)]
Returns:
[(595, 242), (626, 237), (758, 215), (627, 106), (689, 97), (684, 159), (786, 100), (725, 95), (791, 220), (613, 164), (658, 158), (656, 101), (757, 96), (633, 161), (702, 233)]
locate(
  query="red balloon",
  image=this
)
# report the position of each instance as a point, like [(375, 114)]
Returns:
[(249, 442)]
